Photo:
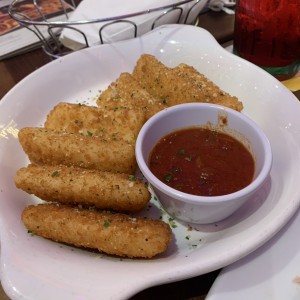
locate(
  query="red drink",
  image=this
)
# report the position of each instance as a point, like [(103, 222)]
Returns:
[(267, 33)]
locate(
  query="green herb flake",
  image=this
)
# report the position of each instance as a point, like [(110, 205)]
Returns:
[(187, 237), (89, 133), (172, 222), (180, 152), (168, 177), (203, 181), (132, 178), (106, 223), (55, 174)]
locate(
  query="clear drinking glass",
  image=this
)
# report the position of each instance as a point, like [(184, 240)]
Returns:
[(267, 33)]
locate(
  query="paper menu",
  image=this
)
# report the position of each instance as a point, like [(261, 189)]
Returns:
[(15, 39)]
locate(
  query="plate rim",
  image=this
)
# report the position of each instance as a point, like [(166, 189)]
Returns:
[(291, 209)]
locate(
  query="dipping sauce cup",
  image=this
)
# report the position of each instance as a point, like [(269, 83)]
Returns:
[(192, 208), (267, 33)]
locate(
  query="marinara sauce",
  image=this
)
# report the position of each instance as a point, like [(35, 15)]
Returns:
[(202, 161)]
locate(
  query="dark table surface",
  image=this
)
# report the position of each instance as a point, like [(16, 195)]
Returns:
[(13, 70)]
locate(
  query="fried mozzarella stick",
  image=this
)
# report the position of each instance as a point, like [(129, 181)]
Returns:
[(122, 123), (178, 85), (115, 234), (126, 92), (70, 185), (46, 146), (209, 90)]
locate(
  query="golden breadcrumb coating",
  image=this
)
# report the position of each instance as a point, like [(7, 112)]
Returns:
[(182, 84), (115, 234), (113, 124), (210, 91), (70, 185), (126, 92), (46, 146)]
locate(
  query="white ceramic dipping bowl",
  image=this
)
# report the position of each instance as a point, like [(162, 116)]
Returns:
[(203, 209)]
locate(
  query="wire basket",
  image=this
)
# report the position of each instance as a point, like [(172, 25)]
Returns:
[(48, 27)]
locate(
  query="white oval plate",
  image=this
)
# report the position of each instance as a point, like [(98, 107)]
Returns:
[(35, 268), (278, 279)]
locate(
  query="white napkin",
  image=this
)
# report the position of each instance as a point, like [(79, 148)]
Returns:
[(224, 5), (98, 9)]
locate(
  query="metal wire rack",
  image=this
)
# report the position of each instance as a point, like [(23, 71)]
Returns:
[(48, 29)]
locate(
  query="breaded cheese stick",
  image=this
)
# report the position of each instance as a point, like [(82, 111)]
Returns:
[(46, 146), (113, 123), (115, 234), (209, 90), (70, 185), (126, 92), (154, 77), (180, 84)]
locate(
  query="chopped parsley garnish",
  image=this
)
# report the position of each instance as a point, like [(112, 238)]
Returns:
[(107, 223), (89, 133), (168, 177), (180, 152), (132, 177), (203, 181), (55, 174), (172, 222)]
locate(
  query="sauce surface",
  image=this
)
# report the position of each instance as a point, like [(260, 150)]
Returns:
[(201, 161)]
